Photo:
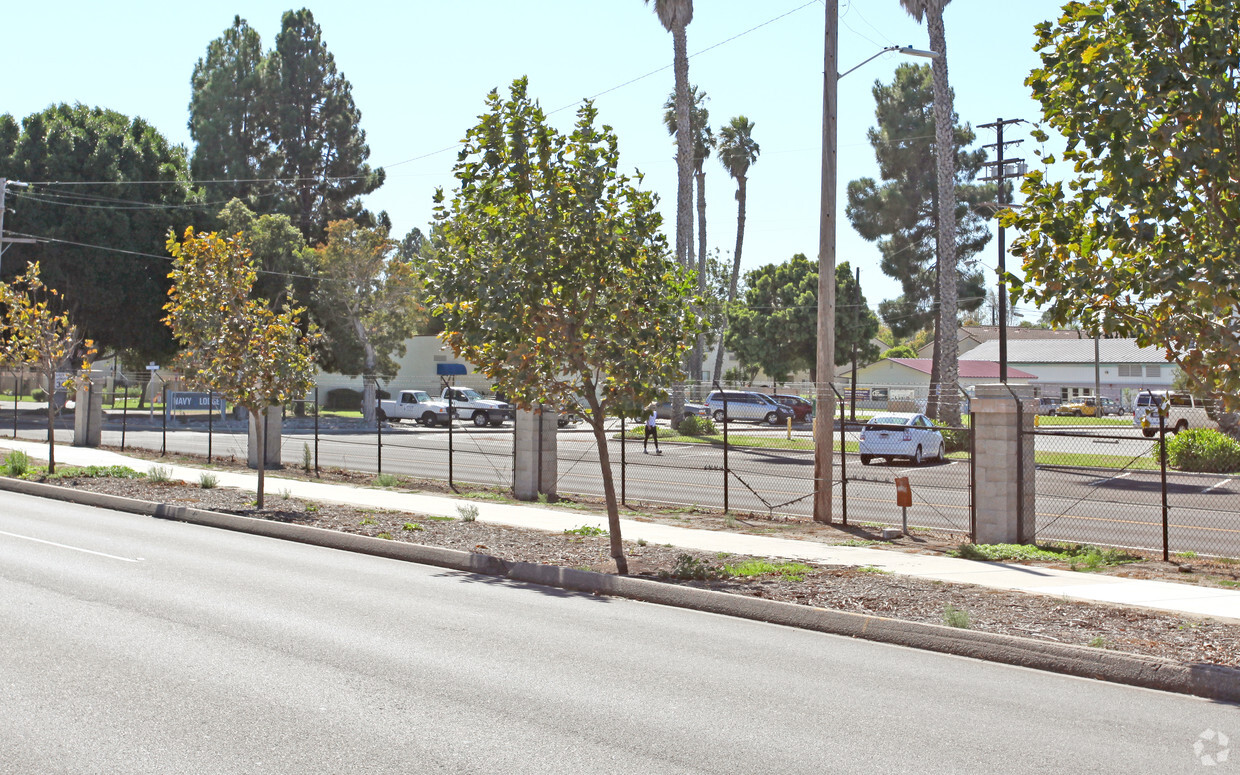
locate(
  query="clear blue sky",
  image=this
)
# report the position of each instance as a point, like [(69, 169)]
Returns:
[(420, 70)]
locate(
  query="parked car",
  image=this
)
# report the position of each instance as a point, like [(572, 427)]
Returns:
[(747, 405), (1048, 404), (1083, 406), (664, 408), (802, 408), (904, 435), (1183, 411), (1111, 407)]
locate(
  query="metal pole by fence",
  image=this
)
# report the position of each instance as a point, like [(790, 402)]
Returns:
[(316, 431), (1162, 464), (379, 447), (124, 417), (16, 392), (623, 464), (451, 422), (210, 422), (843, 464), (163, 446)]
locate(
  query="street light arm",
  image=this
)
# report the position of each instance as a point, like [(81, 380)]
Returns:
[(902, 49)]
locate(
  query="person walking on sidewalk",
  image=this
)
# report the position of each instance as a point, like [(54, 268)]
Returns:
[(652, 430)]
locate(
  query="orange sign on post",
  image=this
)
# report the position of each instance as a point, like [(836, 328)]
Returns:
[(904, 493)]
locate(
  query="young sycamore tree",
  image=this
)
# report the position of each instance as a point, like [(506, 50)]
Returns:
[(32, 332), (253, 356), (552, 275)]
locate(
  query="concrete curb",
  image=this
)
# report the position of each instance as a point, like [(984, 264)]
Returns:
[(1213, 682)]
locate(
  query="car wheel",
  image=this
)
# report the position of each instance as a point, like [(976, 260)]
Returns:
[(480, 419), (428, 419), (865, 459), (917, 459), (942, 453), (497, 423), (381, 415), (1077, 413), (1182, 425), (718, 415), (1148, 432), (772, 418)]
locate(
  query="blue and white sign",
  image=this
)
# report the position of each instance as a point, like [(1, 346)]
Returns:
[(194, 402)]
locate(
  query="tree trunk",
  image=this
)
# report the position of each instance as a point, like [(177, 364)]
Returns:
[(699, 349), (598, 425), (684, 148), (51, 423), (945, 161), (260, 419), (736, 258)]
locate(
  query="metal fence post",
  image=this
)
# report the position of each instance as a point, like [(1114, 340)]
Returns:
[(163, 447), (623, 465), (316, 430), (843, 466), (1162, 464), (210, 421), (379, 448)]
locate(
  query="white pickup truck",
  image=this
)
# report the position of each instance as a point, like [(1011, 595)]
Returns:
[(468, 403), (416, 405)]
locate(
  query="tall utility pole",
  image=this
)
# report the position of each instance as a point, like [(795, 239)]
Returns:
[(825, 371), (1004, 170), (4, 192)]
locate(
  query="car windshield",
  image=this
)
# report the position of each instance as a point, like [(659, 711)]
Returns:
[(889, 421)]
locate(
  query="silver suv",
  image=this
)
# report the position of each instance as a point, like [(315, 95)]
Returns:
[(1183, 411), (746, 405)]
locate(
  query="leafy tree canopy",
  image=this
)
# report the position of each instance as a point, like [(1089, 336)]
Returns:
[(551, 275), (118, 185), (775, 326), (1141, 240), (233, 344)]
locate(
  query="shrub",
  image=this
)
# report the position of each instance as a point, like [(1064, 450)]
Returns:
[(38, 394), (386, 480), (955, 617), (954, 439), (16, 463), (159, 474), (307, 459), (697, 425), (468, 512), (689, 567), (1202, 449), (208, 481), (343, 400)]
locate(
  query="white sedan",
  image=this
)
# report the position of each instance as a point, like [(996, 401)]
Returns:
[(894, 435)]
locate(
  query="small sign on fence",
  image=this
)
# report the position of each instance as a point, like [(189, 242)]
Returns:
[(179, 401), (904, 493)]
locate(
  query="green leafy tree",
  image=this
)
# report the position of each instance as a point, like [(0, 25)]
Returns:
[(902, 212), (775, 326), (36, 332), (675, 16), (119, 187), (945, 374), (237, 346), (551, 274), (1140, 240), (372, 297), (277, 250), (230, 112), (899, 351)]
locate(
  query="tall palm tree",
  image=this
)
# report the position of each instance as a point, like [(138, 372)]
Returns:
[(737, 152), (703, 143), (675, 16), (943, 402)]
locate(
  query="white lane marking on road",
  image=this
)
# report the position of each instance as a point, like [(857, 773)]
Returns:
[(1216, 484), (74, 548)]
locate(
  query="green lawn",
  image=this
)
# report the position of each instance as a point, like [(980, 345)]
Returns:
[(1095, 421)]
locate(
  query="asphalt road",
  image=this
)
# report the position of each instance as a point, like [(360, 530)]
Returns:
[(1077, 504), (136, 645)]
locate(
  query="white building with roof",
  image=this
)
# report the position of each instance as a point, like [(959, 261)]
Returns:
[(1065, 367)]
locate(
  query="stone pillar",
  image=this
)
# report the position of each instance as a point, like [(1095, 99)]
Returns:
[(535, 449), (275, 426), (1003, 487), (88, 411)]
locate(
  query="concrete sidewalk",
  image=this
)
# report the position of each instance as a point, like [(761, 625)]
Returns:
[(1161, 595)]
